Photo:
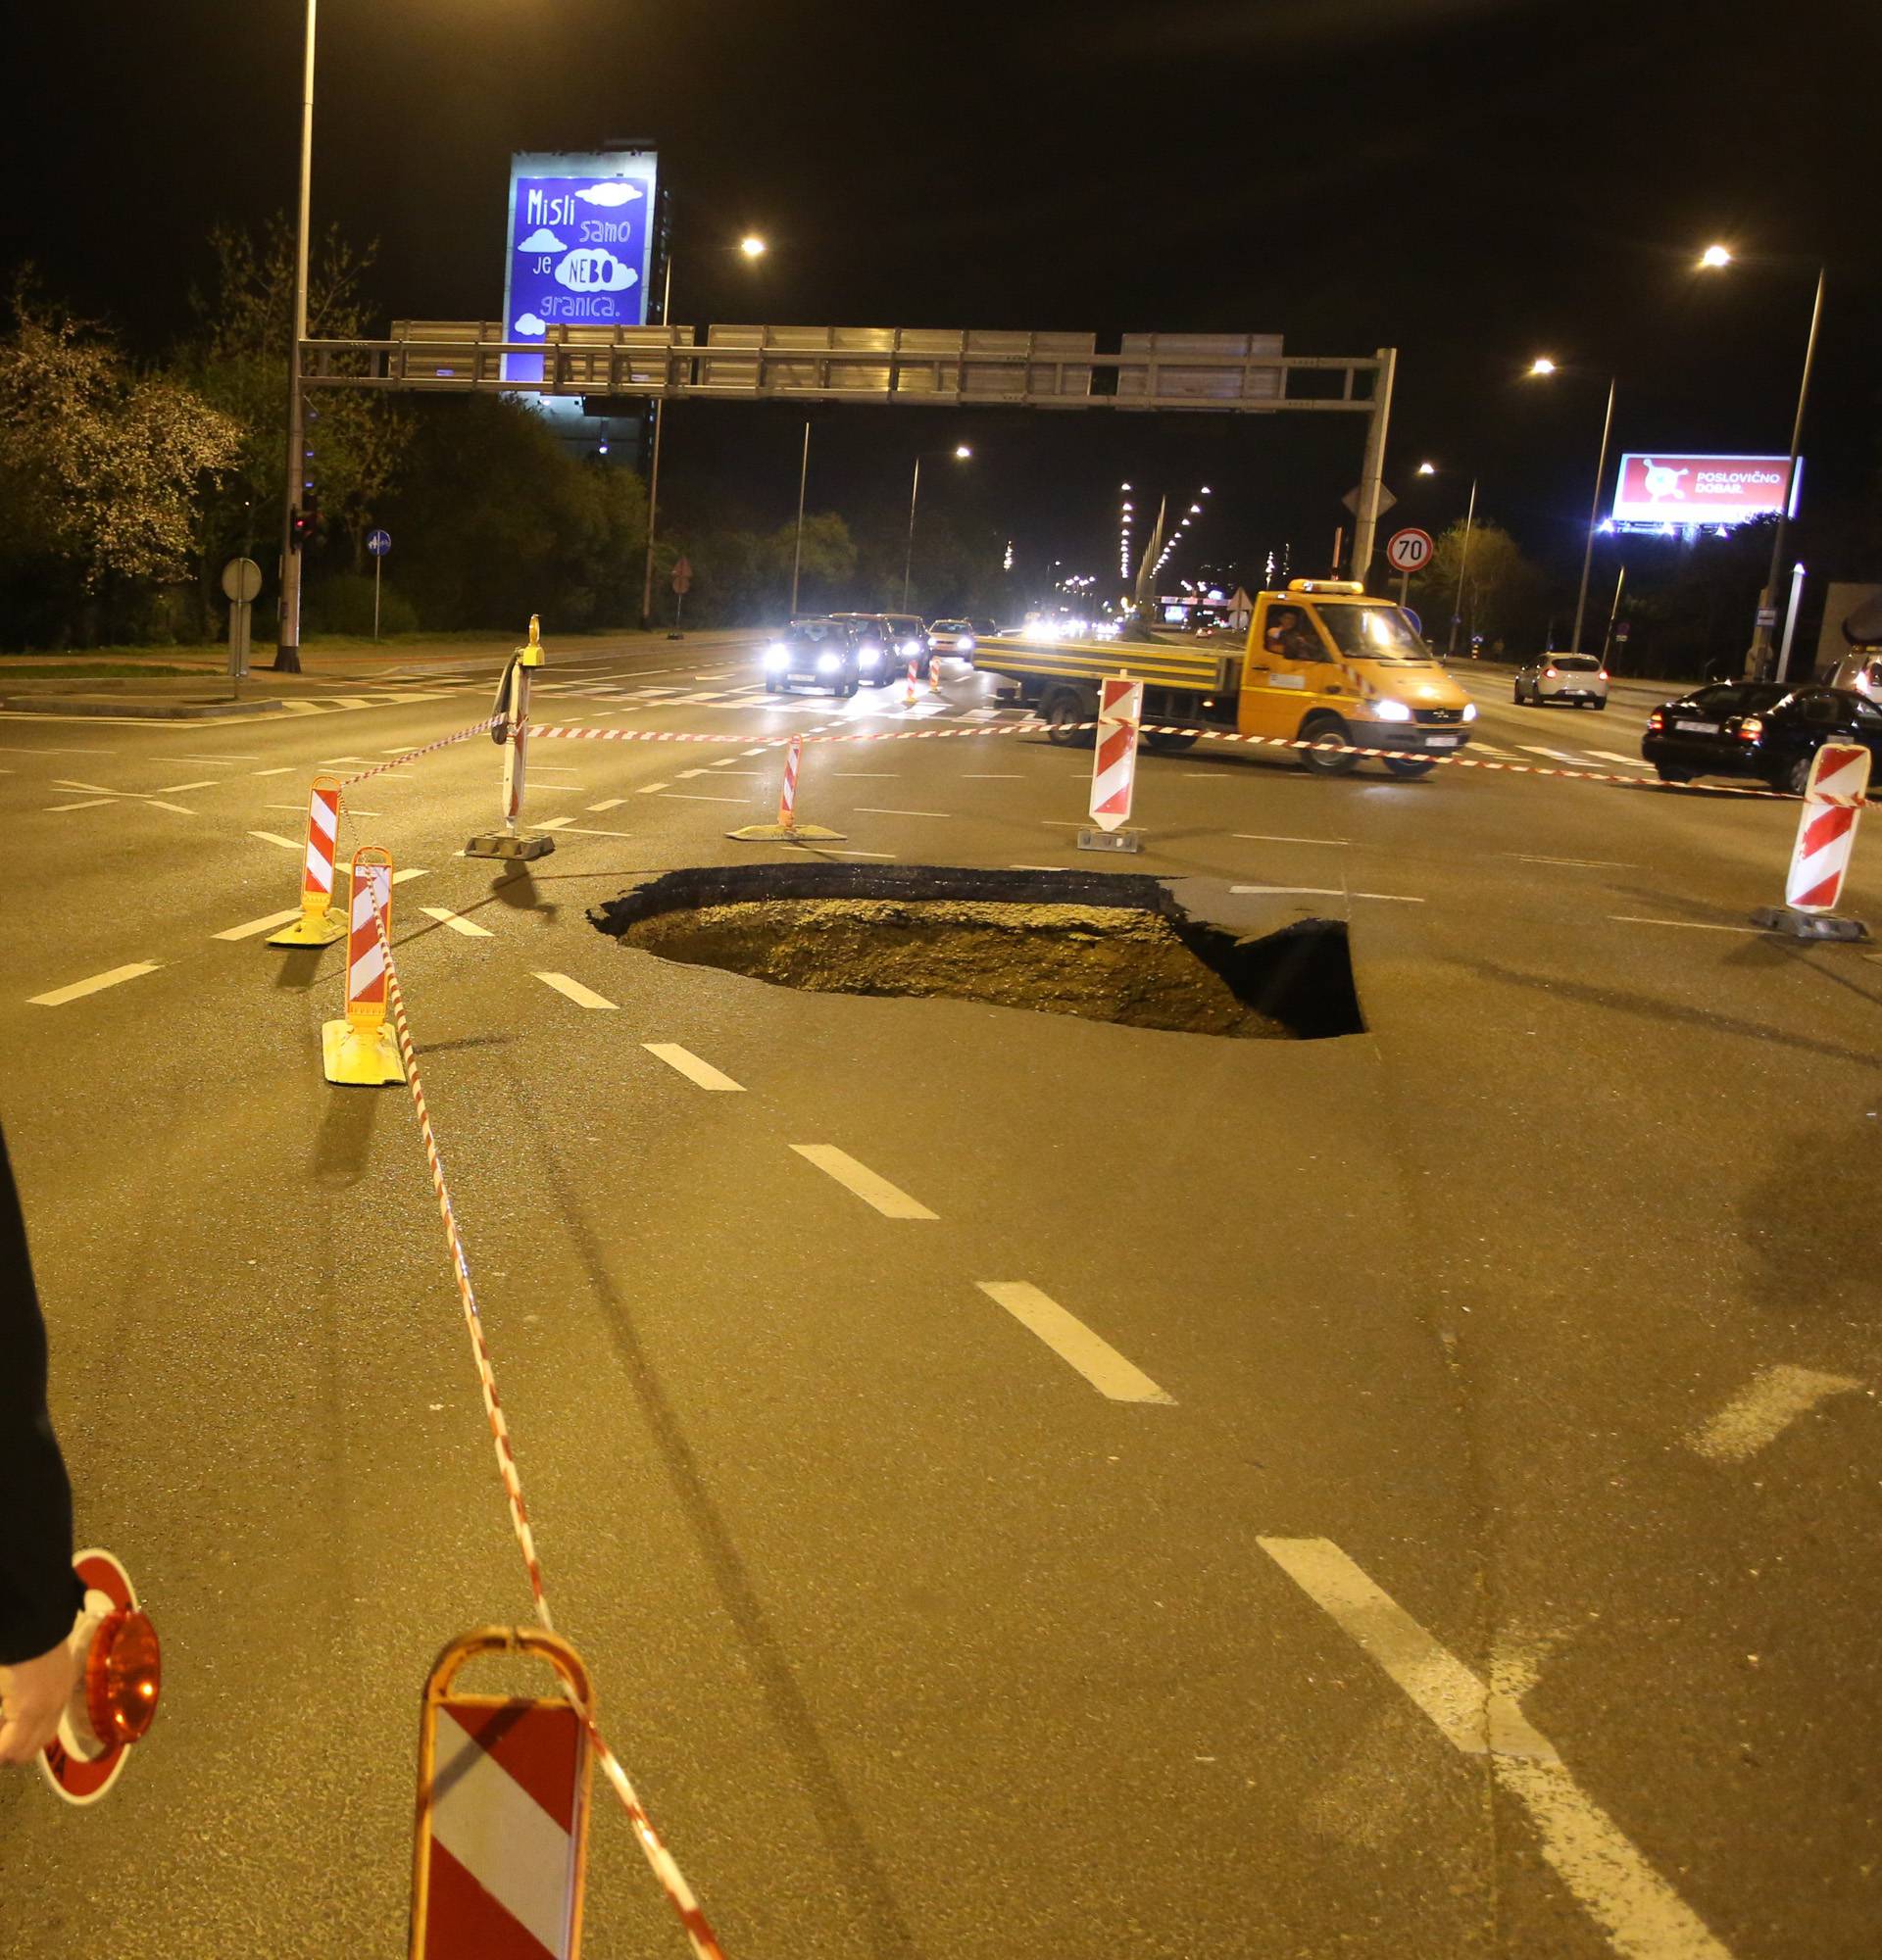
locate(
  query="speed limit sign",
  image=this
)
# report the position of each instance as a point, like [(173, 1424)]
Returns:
[(1409, 551)]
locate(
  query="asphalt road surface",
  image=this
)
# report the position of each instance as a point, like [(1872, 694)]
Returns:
[(1021, 1486)]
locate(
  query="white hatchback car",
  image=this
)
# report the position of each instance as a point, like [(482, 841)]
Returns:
[(1579, 679)]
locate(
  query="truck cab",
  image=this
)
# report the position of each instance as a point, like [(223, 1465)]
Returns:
[(1328, 666)]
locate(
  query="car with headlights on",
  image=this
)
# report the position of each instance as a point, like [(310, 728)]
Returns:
[(818, 652), (1579, 679), (1762, 730), (953, 638), (880, 647)]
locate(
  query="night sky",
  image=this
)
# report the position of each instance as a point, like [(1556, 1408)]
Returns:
[(1474, 181)]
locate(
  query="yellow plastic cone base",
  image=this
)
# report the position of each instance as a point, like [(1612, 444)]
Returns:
[(312, 929), (364, 1057), (786, 833)]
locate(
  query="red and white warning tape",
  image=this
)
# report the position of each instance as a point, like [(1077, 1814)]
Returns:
[(571, 734), (430, 747), (705, 1942)]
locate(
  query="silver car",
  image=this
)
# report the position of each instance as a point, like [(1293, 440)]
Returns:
[(1579, 679)]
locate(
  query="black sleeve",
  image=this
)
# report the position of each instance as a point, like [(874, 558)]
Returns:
[(39, 1593)]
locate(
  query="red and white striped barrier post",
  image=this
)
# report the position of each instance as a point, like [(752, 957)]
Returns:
[(359, 1049), (321, 922), (787, 829), (513, 734), (909, 695), (934, 670), (1114, 766), (501, 1857), (1833, 800)]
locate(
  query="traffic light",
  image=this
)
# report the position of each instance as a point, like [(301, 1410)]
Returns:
[(303, 532)]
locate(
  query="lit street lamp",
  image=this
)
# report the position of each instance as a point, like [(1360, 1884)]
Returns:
[(752, 247), (1714, 259), (1545, 367), (959, 451)]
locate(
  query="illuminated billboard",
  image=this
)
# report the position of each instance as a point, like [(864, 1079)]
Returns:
[(1660, 490), (578, 252)]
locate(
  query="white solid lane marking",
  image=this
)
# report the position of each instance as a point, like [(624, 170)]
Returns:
[(1038, 867), (690, 1066), (1586, 864), (1688, 925), (470, 928), (993, 779), (276, 837), (90, 803), (554, 823), (1074, 1343), (652, 789), (182, 755), (693, 796), (831, 851), (866, 809), (579, 830), (1260, 837), (253, 926), (1326, 891), (573, 990), (607, 803), (201, 783), (866, 776), (81, 987), (157, 803), (862, 1181), (1761, 1411), (1642, 1915)]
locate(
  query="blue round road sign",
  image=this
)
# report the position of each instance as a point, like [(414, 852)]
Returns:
[(378, 543)]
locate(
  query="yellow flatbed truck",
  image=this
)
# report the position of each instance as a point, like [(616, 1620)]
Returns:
[(1325, 665)]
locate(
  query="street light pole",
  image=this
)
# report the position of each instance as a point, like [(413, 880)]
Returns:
[(908, 557), (797, 550), (288, 644), (1594, 519), (1464, 558), (653, 474), (1759, 654)]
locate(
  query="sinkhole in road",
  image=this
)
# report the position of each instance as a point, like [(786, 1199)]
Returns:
[(1103, 947)]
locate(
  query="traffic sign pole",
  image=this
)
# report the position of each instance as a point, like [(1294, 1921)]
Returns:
[(378, 543)]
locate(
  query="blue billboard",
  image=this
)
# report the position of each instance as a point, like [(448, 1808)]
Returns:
[(579, 246)]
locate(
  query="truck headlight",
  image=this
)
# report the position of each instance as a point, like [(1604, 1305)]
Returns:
[(1391, 710), (827, 663), (777, 657), (1470, 711)]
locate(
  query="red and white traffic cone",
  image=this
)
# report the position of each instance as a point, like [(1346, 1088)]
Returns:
[(1833, 800), (319, 922), (359, 1049), (787, 829)]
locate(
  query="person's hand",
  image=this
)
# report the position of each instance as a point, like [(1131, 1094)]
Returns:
[(33, 1695)]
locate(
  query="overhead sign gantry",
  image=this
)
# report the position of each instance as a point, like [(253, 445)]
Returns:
[(979, 367)]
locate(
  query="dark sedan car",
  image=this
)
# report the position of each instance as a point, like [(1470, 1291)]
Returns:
[(1756, 728), (818, 653)]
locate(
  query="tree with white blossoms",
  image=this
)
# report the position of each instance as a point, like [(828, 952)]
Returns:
[(102, 471)]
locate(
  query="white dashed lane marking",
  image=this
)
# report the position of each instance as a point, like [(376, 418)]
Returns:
[(1688, 925), (862, 1182), (96, 984), (470, 928), (1257, 837), (1322, 892), (258, 925), (1642, 1915), (573, 990), (691, 1067), (1073, 1341), (866, 809), (1761, 1411), (276, 837), (607, 803), (90, 803), (651, 789)]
